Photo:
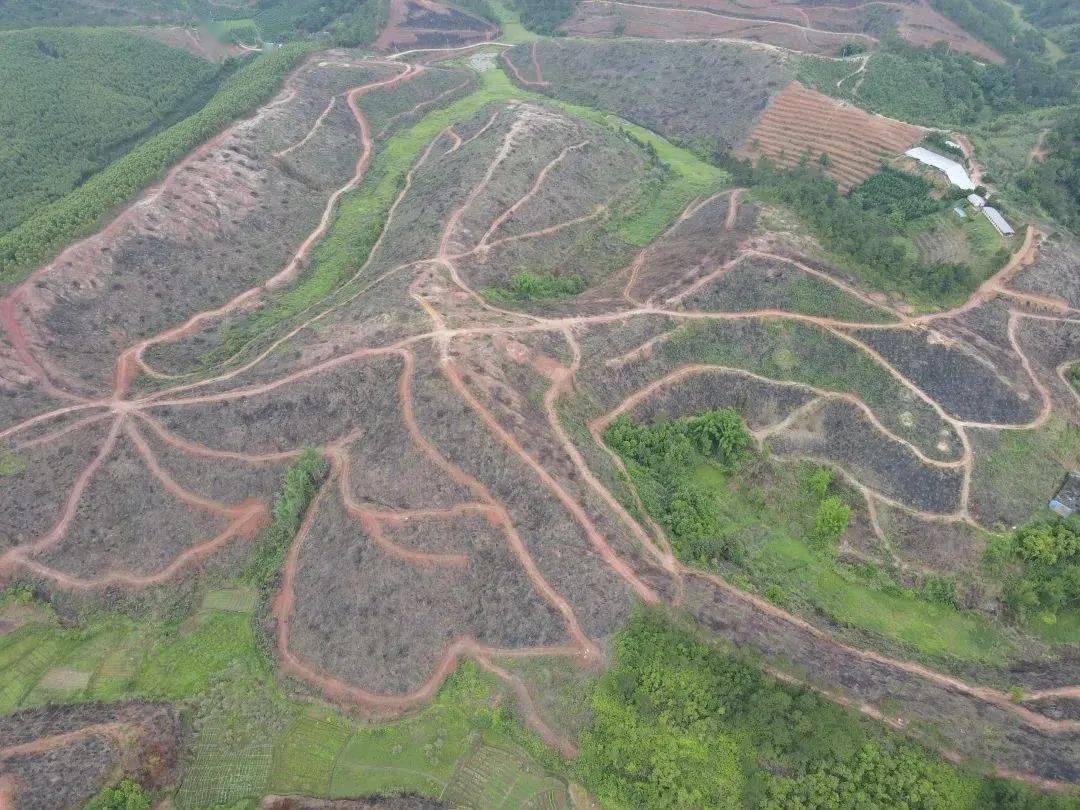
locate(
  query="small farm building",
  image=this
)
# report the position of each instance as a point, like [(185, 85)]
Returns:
[(998, 221), (1067, 499), (976, 200), (956, 173), (959, 212)]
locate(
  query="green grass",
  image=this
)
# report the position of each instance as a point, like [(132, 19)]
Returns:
[(1020, 469), (896, 614), (11, 464), (512, 32), (236, 600), (1064, 629)]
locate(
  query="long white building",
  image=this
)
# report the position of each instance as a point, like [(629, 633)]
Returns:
[(956, 173)]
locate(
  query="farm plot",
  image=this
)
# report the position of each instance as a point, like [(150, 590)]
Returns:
[(1016, 471), (803, 124), (949, 374), (839, 433), (1053, 274), (491, 777), (801, 353), (764, 282)]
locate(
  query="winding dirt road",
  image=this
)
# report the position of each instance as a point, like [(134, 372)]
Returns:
[(128, 414)]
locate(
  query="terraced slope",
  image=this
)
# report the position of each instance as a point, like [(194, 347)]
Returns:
[(802, 124)]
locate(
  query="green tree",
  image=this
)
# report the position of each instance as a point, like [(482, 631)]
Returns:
[(126, 795), (831, 521)]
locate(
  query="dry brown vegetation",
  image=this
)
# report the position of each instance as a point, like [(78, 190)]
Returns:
[(812, 27), (471, 508)]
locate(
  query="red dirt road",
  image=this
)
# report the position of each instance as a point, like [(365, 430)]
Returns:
[(441, 292)]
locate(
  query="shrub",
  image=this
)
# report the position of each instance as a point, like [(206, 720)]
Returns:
[(940, 590), (831, 521), (126, 795), (528, 286), (1044, 574), (817, 481)]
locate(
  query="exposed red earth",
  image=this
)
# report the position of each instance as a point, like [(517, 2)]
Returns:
[(450, 360)]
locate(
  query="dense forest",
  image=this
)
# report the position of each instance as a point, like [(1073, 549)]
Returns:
[(28, 13), (680, 723), (80, 211), (72, 100), (544, 16)]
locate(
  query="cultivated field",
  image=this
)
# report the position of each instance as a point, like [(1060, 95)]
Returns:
[(443, 287), (802, 124)]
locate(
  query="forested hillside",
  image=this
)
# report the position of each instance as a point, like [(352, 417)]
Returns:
[(72, 100), (28, 13)]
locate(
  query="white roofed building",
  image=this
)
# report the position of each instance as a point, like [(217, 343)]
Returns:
[(956, 173), (998, 221)]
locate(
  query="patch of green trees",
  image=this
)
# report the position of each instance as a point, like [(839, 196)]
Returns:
[(81, 211), (72, 100), (866, 227), (1041, 564), (544, 16), (125, 795), (664, 456), (680, 723), (528, 286), (298, 489)]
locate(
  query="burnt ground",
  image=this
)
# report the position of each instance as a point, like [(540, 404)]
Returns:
[(471, 509), (61, 756), (663, 90), (431, 24)]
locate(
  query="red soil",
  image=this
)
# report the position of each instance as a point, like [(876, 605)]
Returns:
[(801, 122)]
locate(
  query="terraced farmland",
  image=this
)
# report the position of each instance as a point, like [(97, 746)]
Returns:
[(802, 124)]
